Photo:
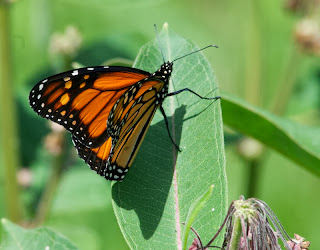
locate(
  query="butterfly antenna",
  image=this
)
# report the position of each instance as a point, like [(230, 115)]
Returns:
[(157, 34), (194, 52)]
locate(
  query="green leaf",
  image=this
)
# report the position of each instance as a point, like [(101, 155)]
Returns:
[(195, 208), (15, 237), (297, 142), (89, 213), (154, 199)]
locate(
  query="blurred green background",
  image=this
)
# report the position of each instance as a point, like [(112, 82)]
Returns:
[(259, 59)]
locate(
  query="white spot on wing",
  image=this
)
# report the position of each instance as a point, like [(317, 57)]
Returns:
[(40, 87), (75, 72), (45, 80), (90, 68)]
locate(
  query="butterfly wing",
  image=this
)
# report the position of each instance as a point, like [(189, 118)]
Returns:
[(81, 99), (128, 121)]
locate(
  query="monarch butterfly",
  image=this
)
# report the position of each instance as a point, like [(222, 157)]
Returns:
[(107, 110)]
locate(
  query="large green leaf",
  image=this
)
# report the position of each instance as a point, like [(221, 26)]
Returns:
[(297, 142), (154, 199), (15, 237), (89, 213)]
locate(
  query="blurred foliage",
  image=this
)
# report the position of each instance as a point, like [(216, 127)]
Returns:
[(15, 237), (258, 60)]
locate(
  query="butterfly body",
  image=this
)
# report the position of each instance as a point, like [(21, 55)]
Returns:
[(107, 110)]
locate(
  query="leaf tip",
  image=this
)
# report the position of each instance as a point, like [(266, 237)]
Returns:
[(210, 189), (4, 220), (165, 25)]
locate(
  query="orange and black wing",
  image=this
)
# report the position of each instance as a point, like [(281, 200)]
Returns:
[(128, 122), (81, 100)]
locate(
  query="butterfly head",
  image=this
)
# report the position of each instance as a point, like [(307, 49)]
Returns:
[(164, 72)]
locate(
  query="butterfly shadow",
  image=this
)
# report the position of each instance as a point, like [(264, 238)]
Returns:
[(146, 187)]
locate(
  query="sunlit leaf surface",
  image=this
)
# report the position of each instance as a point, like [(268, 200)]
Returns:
[(153, 200)]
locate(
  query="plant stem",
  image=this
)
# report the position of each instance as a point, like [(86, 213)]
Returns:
[(9, 137), (46, 199), (254, 167), (236, 234), (254, 81), (253, 65), (286, 83)]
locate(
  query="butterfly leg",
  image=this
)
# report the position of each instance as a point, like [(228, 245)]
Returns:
[(167, 125), (186, 89)]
